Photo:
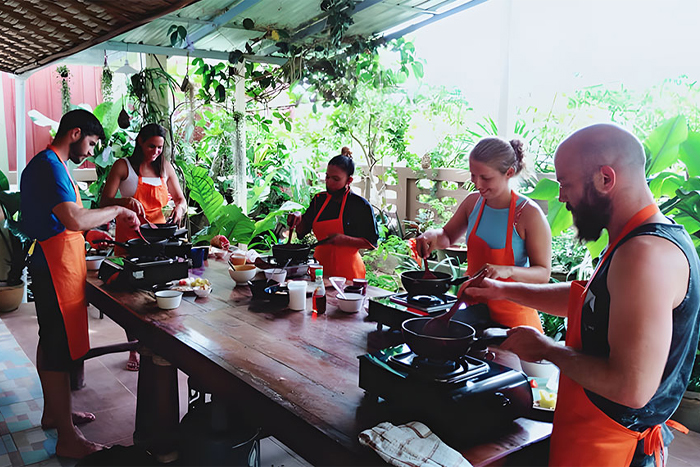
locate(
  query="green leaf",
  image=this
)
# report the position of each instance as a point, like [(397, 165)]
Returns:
[(4, 182), (203, 190), (10, 201), (690, 153), (665, 184), (417, 69), (663, 143), (558, 216), (545, 190), (596, 247), (172, 28)]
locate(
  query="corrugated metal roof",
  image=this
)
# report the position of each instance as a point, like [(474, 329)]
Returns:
[(38, 32)]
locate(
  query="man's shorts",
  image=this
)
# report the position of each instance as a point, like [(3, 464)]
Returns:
[(53, 340)]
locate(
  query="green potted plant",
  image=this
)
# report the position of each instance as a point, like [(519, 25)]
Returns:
[(14, 246)]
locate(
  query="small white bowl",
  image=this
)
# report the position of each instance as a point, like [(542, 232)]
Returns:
[(541, 369), (202, 292), (94, 262), (277, 275), (168, 299), (242, 273), (352, 303)]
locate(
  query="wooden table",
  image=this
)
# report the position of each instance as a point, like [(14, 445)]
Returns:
[(295, 374)]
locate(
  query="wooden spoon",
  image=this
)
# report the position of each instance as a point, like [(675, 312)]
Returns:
[(427, 274), (138, 231), (291, 231), (439, 326)]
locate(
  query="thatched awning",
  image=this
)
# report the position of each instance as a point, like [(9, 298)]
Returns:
[(36, 32)]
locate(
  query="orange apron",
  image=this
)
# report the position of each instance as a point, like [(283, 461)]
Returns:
[(153, 198), (337, 260), (65, 255), (479, 253), (583, 435)]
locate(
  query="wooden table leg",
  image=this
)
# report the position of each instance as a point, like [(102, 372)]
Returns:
[(157, 407)]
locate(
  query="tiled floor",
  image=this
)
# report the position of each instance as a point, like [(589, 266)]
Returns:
[(110, 394)]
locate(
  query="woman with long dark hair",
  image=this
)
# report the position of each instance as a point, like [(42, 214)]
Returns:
[(143, 182)]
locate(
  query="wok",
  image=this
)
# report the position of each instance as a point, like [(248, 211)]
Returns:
[(296, 252), (457, 340), (161, 232), (136, 247), (414, 283)]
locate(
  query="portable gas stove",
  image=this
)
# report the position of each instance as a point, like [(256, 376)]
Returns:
[(456, 399), (296, 268), (142, 273), (392, 310)]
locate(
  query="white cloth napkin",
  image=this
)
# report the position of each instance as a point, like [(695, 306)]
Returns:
[(411, 445)]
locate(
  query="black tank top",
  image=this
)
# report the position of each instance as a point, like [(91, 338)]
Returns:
[(684, 341)]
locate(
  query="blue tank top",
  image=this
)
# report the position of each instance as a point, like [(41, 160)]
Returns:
[(684, 341), (493, 227)]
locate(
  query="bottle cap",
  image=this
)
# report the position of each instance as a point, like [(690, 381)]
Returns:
[(319, 272)]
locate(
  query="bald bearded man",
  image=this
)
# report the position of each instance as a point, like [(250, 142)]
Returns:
[(632, 328)]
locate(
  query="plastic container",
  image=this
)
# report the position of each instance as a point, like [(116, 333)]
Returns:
[(297, 295), (168, 299), (541, 369), (352, 303)]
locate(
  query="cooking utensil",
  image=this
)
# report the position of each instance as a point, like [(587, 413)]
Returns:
[(414, 283), (289, 239), (137, 247), (439, 325), (260, 263), (294, 251), (154, 232), (459, 339), (335, 286), (138, 231), (427, 274)]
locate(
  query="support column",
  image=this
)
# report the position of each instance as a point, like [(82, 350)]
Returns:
[(20, 125), (504, 129), (157, 407), (239, 153)]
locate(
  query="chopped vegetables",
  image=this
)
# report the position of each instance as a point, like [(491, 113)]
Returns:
[(548, 400)]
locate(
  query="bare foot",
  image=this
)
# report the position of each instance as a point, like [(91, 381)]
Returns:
[(133, 363), (76, 446), (79, 418)]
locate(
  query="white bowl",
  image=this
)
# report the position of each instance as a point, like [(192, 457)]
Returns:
[(243, 272), (352, 303), (541, 369), (277, 275), (94, 262), (203, 291), (168, 299)]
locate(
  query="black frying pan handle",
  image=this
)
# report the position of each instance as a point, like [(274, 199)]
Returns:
[(490, 336), (112, 242), (459, 280)]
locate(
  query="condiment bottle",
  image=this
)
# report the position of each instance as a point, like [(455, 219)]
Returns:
[(318, 299)]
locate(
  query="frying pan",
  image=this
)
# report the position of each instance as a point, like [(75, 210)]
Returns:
[(161, 232), (414, 283), (136, 247), (458, 339), (298, 252)]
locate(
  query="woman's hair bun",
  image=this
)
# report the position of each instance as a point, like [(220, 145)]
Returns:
[(345, 151), (519, 148)]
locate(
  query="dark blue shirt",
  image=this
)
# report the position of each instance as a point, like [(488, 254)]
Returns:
[(45, 183), (358, 218)]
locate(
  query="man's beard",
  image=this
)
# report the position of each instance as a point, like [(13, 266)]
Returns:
[(591, 215), (74, 152)]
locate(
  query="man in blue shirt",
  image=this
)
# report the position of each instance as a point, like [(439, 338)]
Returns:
[(52, 213)]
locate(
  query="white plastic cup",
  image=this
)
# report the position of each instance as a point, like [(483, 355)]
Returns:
[(297, 295)]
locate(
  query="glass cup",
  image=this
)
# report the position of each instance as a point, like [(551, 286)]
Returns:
[(237, 258), (361, 283), (297, 295)]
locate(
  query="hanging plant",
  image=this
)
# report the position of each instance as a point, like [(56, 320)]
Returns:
[(64, 76), (107, 77)]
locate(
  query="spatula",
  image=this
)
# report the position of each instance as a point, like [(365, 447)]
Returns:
[(335, 286), (427, 274), (439, 325), (291, 231), (138, 231)]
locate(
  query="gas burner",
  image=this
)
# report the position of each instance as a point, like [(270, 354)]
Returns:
[(426, 303), (440, 371)]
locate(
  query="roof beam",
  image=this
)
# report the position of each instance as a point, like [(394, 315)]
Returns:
[(160, 50), (222, 19), (436, 17)]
